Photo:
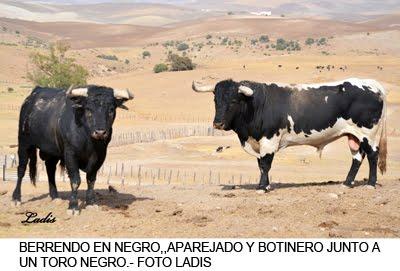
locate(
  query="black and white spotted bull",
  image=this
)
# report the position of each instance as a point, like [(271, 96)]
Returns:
[(72, 127), (270, 117)]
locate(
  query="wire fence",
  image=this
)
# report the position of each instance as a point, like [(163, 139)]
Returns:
[(166, 133), (130, 173)]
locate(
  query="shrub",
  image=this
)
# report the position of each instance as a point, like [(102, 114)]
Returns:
[(161, 67), (146, 54), (230, 13), (168, 43), (127, 61), (264, 39), (253, 41), (208, 36), (180, 63), (291, 45), (108, 57), (182, 46), (10, 89), (321, 41), (309, 41), (55, 69)]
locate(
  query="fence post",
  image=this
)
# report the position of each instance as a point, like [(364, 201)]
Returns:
[(109, 175), (170, 175), (139, 176), (4, 172)]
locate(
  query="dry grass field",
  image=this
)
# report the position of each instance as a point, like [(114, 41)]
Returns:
[(307, 199)]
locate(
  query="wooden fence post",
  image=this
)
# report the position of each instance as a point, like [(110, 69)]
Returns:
[(109, 176), (4, 172), (139, 174)]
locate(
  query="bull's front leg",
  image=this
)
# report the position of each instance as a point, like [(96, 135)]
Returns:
[(264, 164), (71, 164), (90, 195)]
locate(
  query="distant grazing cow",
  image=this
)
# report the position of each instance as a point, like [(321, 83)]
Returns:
[(270, 117), (73, 127)]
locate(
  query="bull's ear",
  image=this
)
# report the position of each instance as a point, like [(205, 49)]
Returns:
[(120, 104), (78, 101)]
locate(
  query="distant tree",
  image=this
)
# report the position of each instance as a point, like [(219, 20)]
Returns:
[(264, 39), (182, 46), (281, 44), (161, 67), (309, 41), (146, 54), (321, 41), (180, 63), (230, 13), (54, 69)]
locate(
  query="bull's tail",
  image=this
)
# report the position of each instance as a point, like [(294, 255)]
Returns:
[(383, 142), (32, 166)]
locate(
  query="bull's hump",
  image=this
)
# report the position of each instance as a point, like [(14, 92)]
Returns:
[(363, 84)]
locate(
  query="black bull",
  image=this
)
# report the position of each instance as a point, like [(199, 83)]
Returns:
[(72, 127), (270, 117)]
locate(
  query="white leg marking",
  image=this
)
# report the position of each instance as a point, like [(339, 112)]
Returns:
[(357, 156), (326, 99), (268, 146)]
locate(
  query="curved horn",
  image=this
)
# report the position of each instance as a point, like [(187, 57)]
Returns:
[(73, 92), (123, 94), (246, 91), (196, 87)]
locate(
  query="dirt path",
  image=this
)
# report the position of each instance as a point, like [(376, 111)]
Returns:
[(290, 210)]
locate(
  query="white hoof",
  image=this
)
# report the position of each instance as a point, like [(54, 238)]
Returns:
[(15, 203), (92, 207), (73, 212), (370, 187)]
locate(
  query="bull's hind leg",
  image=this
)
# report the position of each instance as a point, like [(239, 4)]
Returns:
[(23, 157), (264, 164), (51, 165), (372, 155), (358, 156)]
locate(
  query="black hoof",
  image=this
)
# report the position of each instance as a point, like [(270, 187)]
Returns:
[(54, 196), (348, 185), (73, 212)]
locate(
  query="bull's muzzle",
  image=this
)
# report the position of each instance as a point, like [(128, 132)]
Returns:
[(99, 134), (219, 125)]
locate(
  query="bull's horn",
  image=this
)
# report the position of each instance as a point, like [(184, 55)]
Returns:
[(246, 91), (123, 94), (73, 92), (196, 87)]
